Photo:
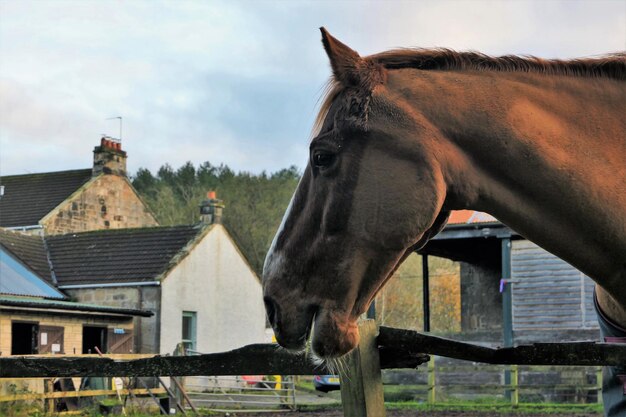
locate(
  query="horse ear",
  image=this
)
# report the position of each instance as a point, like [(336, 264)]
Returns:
[(343, 60)]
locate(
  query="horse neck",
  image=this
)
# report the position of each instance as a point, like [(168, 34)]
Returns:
[(544, 154)]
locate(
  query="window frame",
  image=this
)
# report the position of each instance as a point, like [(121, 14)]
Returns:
[(190, 343)]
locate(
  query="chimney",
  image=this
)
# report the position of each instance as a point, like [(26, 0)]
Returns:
[(211, 209), (109, 158)]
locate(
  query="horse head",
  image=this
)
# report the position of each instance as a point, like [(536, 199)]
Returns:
[(370, 195)]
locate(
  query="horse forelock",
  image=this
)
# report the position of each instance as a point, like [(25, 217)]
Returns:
[(330, 93), (349, 105)]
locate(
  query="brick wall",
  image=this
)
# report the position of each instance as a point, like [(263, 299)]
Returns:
[(108, 202)]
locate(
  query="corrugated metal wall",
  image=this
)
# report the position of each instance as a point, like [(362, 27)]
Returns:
[(548, 293)]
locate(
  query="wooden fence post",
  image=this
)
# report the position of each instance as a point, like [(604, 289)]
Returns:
[(514, 385), (432, 397), (599, 385), (48, 403), (361, 380)]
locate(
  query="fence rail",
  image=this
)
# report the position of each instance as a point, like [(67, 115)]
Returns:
[(76, 394), (397, 348)]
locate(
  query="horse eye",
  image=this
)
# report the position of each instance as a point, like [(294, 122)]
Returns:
[(323, 159)]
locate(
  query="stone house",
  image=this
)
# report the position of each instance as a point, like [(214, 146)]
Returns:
[(100, 197)]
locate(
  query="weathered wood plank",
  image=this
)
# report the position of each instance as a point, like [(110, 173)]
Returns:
[(570, 353), (361, 380), (258, 359)]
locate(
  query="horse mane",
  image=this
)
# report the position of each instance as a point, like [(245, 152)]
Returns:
[(611, 66), (606, 66)]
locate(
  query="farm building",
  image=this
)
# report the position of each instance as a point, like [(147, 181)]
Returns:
[(193, 278), (36, 318), (512, 291)]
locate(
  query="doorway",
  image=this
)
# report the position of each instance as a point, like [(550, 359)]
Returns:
[(24, 338), (94, 336)]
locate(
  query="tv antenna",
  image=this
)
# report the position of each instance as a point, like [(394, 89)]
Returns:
[(117, 117)]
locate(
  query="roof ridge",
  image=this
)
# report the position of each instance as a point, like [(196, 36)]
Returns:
[(47, 173), (146, 229)]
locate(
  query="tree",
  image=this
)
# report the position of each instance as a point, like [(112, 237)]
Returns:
[(400, 302), (254, 203)]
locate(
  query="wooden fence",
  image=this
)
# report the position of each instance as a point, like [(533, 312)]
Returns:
[(443, 381), (362, 394)]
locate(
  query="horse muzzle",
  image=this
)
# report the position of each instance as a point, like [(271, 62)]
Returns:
[(292, 322)]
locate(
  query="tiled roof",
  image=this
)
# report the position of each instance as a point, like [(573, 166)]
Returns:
[(470, 217), (31, 302), (29, 249), (28, 198), (117, 256)]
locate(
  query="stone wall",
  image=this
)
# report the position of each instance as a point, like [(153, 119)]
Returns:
[(139, 298), (107, 202)]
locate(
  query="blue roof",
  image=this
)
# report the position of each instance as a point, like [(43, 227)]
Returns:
[(17, 279)]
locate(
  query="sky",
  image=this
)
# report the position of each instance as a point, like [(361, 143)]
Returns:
[(232, 82)]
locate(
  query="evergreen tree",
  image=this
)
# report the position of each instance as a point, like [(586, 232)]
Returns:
[(254, 203)]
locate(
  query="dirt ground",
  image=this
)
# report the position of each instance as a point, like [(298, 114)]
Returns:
[(405, 413)]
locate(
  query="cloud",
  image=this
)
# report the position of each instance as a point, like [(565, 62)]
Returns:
[(231, 81)]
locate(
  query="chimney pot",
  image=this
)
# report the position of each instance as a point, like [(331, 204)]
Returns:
[(211, 209), (109, 158)]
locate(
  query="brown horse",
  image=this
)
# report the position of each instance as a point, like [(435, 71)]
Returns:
[(406, 136)]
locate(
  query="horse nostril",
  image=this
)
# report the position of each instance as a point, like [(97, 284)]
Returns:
[(270, 308)]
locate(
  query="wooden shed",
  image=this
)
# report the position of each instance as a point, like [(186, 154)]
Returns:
[(513, 291)]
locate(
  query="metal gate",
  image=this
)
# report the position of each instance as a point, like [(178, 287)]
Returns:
[(230, 393)]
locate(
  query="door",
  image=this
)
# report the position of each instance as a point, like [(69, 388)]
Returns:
[(120, 341), (51, 339)]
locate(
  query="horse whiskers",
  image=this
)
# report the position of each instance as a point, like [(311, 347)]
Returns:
[(333, 366)]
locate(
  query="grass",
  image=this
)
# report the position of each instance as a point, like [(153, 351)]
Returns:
[(501, 407), (404, 397)]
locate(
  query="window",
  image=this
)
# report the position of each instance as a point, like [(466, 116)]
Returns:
[(189, 330)]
